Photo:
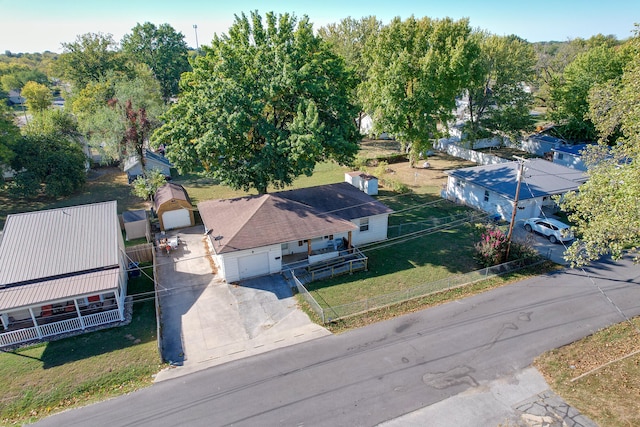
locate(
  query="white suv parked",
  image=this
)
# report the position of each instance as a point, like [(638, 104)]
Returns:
[(551, 228)]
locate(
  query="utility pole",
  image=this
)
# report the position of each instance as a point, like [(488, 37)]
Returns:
[(195, 28), (521, 161)]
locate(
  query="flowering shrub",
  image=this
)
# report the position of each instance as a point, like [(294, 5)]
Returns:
[(491, 248)]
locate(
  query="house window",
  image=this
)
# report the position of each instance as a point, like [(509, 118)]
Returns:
[(459, 183), (560, 156), (364, 224), (486, 195)]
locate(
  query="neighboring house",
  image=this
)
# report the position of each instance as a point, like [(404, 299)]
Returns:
[(173, 207), (61, 270), (15, 98), (251, 236), (492, 188), (362, 181), (541, 144), (133, 165), (136, 224), (570, 156)]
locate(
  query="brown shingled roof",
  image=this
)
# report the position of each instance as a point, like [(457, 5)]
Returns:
[(267, 219), (169, 191)]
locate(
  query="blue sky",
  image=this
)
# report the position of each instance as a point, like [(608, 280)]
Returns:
[(39, 25)]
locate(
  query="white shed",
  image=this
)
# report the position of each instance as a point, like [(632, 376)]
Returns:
[(136, 224), (362, 181)]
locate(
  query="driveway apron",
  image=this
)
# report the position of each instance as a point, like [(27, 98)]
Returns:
[(206, 322)]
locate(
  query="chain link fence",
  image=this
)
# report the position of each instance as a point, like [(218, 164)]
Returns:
[(329, 313)]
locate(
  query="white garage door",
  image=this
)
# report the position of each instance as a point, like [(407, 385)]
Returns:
[(176, 219), (253, 265)]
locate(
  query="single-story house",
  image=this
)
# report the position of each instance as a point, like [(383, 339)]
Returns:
[(251, 236), (61, 270), (570, 156), (136, 224), (15, 98), (541, 143), (133, 165), (492, 188), (173, 207), (366, 183)]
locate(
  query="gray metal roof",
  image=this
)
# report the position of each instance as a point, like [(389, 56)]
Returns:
[(57, 242), (134, 216), (541, 178), (62, 289)]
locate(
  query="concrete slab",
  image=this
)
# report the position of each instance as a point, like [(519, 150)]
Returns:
[(552, 251), (522, 400), (206, 322)]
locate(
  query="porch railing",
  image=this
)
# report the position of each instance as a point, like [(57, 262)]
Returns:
[(20, 336)]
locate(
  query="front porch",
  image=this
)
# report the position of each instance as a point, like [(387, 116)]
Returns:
[(42, 322), (308, 269)]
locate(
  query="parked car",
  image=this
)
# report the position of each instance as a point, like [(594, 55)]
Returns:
[(553, 229)]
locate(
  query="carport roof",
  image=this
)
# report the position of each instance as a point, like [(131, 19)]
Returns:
[(541, 178), (60, 289), (267, 219)]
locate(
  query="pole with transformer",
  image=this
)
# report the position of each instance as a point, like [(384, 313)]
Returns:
[(521, 161)]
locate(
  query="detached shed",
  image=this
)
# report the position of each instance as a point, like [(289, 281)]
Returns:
[(362, 181), (136, 224), (173, 207)]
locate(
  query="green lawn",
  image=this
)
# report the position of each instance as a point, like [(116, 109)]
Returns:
[(46, 378), (409, 263)]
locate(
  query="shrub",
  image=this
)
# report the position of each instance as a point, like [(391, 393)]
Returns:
[(492, 247)]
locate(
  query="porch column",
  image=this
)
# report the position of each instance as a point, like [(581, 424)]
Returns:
[(349, 241), (5, 320), (309, 247), (119, 304), (75, 303), (35, 323)]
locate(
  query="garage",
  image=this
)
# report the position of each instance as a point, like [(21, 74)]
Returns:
[(253, 265), (173, 207), (176, 219)]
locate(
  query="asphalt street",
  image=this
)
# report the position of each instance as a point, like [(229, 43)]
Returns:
[(392, 369)]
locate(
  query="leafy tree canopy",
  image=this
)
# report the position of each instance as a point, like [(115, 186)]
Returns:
[(9, 135), (497, 97), (417, 68), (163, 50), (262, 106), (605, 210), (569, 92), (49, 160), (88, 59), (38, 96), (118, 113)]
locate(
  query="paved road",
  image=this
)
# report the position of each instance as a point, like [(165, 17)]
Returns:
[(391, 369)]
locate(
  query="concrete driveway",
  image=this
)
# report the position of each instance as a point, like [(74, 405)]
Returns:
[(206, 321), (552, 251)]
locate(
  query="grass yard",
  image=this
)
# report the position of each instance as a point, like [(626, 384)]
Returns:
[(599, 375), (46, 378), (410, 263), (103, 184)]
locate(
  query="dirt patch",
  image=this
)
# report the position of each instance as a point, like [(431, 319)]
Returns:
[(419, 179)]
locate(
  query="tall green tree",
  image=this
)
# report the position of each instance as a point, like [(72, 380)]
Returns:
[(88, 59), (119, 113), (262, 106), (9, 135), (163, 50), (417, 68), (348, 39), (38, 96), (605, 209), (498, 99), (569, 92)]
